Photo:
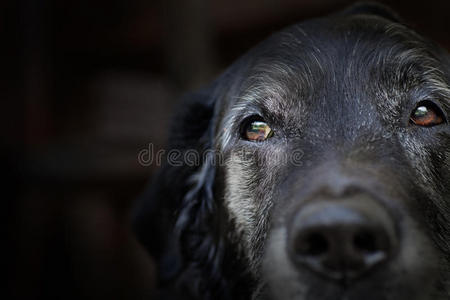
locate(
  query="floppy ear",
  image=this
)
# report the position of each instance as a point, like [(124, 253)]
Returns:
[(153, 213), (176, 220), (372, 8)]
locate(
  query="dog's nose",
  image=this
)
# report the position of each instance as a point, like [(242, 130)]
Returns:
[(341, 242)]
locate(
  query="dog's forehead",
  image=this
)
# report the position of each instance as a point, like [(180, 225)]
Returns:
[(367, 61), (340, 75)]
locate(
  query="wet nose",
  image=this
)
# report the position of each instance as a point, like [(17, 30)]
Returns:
[(341, 242)]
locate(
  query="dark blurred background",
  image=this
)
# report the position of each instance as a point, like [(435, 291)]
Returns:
[(88, 84)]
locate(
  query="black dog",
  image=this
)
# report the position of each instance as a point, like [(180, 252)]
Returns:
[(325, 170)]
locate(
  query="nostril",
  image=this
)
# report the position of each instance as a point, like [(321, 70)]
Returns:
[(341, 241), (313, 244), (365, 241)]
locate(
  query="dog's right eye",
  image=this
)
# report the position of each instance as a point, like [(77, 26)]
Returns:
[(256, 130), (427, 114)]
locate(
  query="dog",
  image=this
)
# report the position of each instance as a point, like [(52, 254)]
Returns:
[(324, 170)]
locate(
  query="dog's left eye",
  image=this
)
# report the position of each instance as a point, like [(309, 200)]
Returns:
[(427, 114), (257, 131)]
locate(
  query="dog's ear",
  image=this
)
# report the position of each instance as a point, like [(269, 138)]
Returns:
[(189, 131), (175, 179), (182, 192), (372, 8), (197, 225)]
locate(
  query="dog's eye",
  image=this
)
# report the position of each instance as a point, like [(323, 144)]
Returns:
[(427, 114), (257, 131)]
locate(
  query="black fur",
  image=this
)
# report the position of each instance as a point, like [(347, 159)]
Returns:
[(182, 220)]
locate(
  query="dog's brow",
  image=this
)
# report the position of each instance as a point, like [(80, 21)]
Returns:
[(269, 85), (416, 51), (431, 77)]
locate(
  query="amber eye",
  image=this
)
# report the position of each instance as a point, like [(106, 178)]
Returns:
[(257, 131), (427, 114)]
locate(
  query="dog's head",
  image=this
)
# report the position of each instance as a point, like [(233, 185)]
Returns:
[(333, 176)]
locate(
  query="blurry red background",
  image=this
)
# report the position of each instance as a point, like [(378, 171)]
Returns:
[(85, 86)]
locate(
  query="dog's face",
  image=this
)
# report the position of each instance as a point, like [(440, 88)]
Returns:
[(337, 162), (334, 173)]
